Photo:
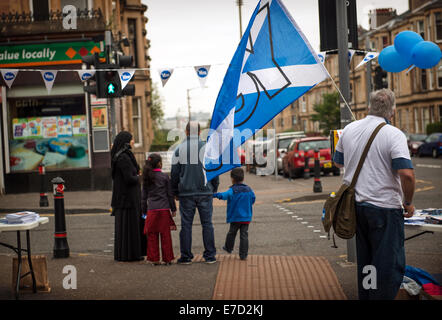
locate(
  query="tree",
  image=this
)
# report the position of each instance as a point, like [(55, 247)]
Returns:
[(328, 112), (156, 109)]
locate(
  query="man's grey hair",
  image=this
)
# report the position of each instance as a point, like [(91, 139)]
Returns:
[(382, 103)]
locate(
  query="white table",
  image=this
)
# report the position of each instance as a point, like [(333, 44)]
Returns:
[(17, 228)]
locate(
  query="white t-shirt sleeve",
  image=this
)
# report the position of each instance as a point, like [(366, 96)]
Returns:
[(399, 147)]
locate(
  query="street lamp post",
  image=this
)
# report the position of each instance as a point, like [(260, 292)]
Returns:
[(188, 98)]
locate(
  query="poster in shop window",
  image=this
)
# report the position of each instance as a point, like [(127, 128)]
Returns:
[(64, 126), (35, 127), (99, 117), (20, 129), (79, 125), (49, 127)]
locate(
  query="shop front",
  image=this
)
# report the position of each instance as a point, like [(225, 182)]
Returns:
[(55, 128)]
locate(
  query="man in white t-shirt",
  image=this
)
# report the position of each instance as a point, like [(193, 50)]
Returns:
[(384, 189)]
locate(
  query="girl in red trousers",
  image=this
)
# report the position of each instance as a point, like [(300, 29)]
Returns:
[(159, 203)]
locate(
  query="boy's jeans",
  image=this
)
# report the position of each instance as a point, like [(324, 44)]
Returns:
[(243, 238), (188, 206), (380, 243)]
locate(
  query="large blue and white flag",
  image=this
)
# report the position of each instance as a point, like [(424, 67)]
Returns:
[(273, 66)]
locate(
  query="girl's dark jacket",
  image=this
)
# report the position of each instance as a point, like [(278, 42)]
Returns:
[(158, 195), (126, 190)]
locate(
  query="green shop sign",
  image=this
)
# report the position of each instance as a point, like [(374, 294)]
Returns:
[(45, 54)]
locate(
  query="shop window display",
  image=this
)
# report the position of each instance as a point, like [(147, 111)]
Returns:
[(52, 132)]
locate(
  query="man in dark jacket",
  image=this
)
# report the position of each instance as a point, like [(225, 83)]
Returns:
[(189, 185)]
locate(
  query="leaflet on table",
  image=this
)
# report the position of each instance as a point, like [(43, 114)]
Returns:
[(64, 128), (79, 125)]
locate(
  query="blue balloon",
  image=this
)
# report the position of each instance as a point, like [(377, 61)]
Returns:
[(390, 60), (405, 42), (426, 54)]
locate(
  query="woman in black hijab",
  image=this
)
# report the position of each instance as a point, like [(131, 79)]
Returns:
[(126, 199)]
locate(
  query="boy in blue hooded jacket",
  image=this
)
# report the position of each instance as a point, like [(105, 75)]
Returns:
[(240, 199)]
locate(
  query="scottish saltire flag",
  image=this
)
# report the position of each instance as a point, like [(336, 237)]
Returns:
[(273, 66)]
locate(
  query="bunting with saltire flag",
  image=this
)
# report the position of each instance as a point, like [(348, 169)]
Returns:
[(273, 66)]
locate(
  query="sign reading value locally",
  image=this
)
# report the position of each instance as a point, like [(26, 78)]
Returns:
[(44, 54)]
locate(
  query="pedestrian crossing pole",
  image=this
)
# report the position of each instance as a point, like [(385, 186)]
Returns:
[(344, 83)]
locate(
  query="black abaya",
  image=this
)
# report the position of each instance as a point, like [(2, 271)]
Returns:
[(127, 235)]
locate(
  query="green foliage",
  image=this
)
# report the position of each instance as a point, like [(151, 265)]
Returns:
[(328, 112), (156, 109), (434, 127), (160, 142)]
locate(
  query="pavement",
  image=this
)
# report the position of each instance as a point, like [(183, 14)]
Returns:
[(290, 257)]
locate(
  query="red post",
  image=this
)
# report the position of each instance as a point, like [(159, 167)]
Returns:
[(43, 186)]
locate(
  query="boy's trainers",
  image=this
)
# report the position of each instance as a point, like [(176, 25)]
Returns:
[(210, 261), (184, 261)]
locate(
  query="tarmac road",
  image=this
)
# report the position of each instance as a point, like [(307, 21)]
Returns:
[(279, 228)]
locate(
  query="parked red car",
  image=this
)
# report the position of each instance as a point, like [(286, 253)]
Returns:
[(293, 162), (414, 142)]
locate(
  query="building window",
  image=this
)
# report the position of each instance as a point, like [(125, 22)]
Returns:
[(439, 75), (438, 25), (430, 79), (294, 120), (281, 122), (136, 121), (384, 42), (351, 92), (432, 118), (420, 28), (132, 30), (40, 9), (416, 121), (425, 119), (303, 104), (399, 116), (440, 113), (304, 125), (424, 79), (79, 4)]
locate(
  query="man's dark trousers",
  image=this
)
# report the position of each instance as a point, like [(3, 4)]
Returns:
[(380, 243), (243, 238), (188, 206)]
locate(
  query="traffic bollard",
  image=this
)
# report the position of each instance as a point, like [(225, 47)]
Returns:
[(306, 167), (43, 186), (317, 186), (61, 247)]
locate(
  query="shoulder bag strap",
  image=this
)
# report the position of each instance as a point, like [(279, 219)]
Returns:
[(364, 154)]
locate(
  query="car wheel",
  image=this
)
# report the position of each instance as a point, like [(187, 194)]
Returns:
[(419, 153), (435, 154)]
